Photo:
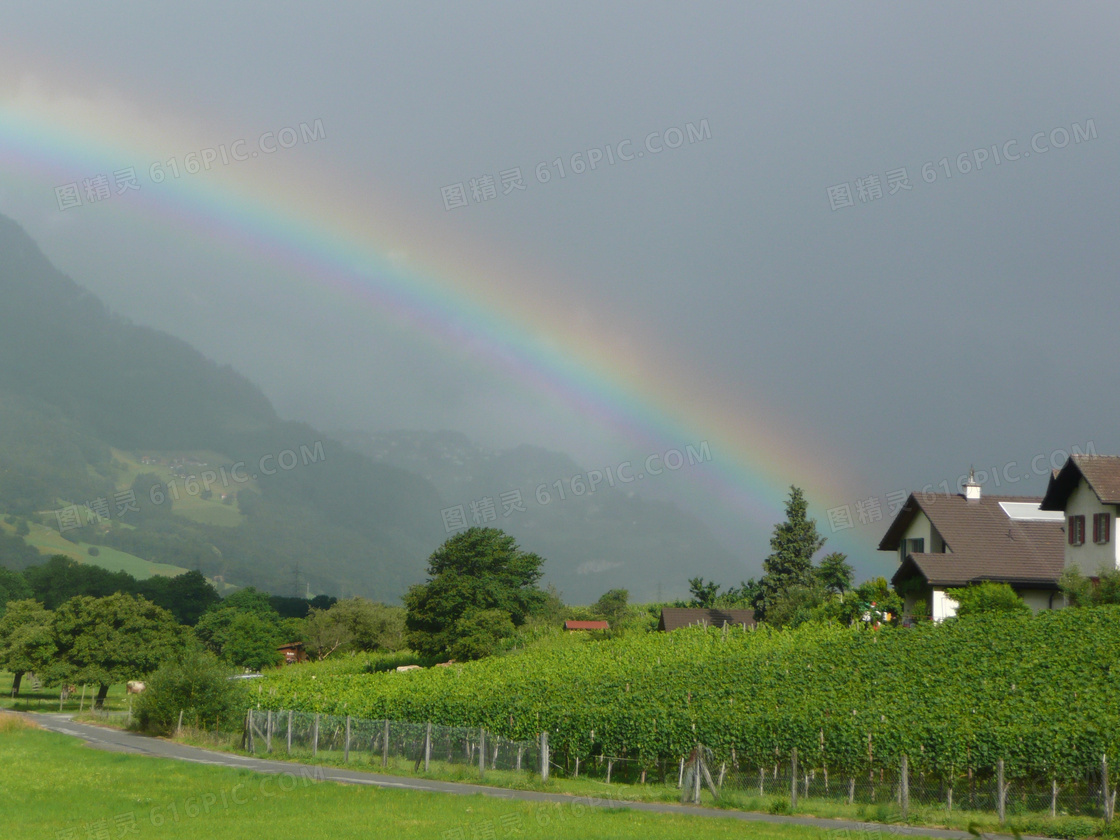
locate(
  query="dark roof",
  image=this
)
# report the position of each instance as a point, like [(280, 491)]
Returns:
[(586, 625), (982, 540), (961, 569), (674, 618), (1101, 472)]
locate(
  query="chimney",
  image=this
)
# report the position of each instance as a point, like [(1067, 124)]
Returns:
[(971, 488)]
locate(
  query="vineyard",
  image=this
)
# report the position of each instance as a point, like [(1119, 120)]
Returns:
[(1041, 693)]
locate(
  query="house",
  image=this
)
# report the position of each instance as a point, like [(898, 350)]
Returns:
[(292, 652), (674, 618), (949, 540), (573, 626), (1085, 492)]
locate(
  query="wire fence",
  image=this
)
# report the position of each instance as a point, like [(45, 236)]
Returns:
[(386, 743), (781, 784)]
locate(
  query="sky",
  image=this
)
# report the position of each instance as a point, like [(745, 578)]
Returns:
[(854, 247)]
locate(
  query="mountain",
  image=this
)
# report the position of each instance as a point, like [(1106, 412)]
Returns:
[(93, 408), (120, 436), (592, 542)]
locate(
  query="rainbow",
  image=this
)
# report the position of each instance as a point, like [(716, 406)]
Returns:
[(332, 240)]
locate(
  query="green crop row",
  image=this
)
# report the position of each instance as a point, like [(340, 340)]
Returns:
[(1041, 692)]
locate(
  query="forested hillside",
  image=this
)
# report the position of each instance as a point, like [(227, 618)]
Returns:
[(78, 383)]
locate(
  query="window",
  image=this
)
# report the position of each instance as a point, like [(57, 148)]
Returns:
[(912, 546), (1076, 531), (1102, 527)]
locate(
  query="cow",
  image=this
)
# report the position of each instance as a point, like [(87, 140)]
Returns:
[(135, 687), (408, 667), (66, 691)]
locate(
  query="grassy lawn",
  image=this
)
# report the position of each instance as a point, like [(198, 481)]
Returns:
[(52, 786), (46, 699)]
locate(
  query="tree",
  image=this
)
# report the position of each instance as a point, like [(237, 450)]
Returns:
[(479, 633), (110, 640), (195, 683), (186, 596), (479, 569), (354, 624), (703, 594), (835, 574), (792, 547), (796, 605), (243, 630), (612, 605), (13, 587), (26, 641)]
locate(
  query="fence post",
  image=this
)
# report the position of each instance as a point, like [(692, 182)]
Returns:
[(315, 737), (346, 748), (385, 746), (428, 747), (249, 731), (793, 779), (544, 756), (481, 753), (1104, 789), (904, 785), (1002, 791), (179, 728), (289, 731)]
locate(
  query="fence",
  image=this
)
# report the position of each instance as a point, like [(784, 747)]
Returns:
[(784, 782), (389, 744)]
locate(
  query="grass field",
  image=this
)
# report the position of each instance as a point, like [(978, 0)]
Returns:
[(46, 699), (52, 786)]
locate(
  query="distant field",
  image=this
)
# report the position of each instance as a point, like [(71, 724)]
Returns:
[(51, 542), (188, 505), (54, 786)]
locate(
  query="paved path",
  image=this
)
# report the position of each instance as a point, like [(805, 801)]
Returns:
[(131, 742)]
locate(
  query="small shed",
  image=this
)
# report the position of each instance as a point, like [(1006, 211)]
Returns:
[(574, 626), (674, 618), (293, 652)]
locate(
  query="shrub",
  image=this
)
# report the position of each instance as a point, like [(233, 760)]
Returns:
[(988, 597), (93, 551), (197, 684)]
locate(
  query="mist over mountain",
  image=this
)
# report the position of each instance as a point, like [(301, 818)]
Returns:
[(601, 538), (123, 437)]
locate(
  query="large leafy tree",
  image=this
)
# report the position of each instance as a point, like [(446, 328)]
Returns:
[(476, 571), (835, 574), (245, 630), (26, 641), (112, 639), (792, 546), (354, 624)]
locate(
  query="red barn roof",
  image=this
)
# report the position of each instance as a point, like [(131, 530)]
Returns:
[(587, 625)]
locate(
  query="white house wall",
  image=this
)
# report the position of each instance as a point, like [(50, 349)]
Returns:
[(943, 606), (1042, 599), (920, 528), (1090, 558)]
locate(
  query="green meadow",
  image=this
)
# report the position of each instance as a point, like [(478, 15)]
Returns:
[(53, 786)]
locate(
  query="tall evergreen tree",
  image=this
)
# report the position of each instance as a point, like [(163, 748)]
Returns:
[(792, 547)]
